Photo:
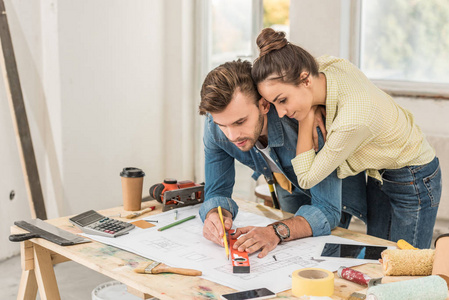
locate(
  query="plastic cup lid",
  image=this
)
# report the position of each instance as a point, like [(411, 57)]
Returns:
[(132, 172)]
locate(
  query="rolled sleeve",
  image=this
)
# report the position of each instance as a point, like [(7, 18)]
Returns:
[(224, 202), (316, 219)]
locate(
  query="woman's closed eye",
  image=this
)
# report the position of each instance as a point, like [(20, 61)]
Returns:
[(283, 100)]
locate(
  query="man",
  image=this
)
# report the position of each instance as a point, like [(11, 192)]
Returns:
[(240, 125)]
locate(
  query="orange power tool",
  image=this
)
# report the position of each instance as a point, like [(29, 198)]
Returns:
[(174, 194)]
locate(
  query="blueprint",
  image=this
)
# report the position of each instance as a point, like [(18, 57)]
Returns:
[(184, 246)]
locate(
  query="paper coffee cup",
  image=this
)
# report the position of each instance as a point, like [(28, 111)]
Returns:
[(132, 185)]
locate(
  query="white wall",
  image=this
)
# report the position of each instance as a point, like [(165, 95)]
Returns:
[(321, 26), (111, 86), (106, 86)]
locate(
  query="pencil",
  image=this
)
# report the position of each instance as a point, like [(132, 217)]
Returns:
[(176, 223), (225, 240)]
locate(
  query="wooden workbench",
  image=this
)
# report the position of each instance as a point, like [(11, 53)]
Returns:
[(38, 257)]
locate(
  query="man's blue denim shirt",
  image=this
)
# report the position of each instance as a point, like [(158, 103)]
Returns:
[(323, 214)]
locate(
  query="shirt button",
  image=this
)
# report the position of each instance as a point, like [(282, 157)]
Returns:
[(264, 168), (257, 151), (361, 215), (344, 207)]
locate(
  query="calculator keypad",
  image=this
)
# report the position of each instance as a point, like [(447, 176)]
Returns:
[(110, 226), (92, 222)]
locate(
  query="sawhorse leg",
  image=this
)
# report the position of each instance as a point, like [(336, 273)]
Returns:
[(28, 286), (38, 273)]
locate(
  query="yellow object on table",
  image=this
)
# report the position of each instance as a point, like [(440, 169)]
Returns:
[(404, 245), (225, 240), (312, 282)]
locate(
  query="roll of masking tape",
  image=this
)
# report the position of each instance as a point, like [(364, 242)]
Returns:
[(312, 282)]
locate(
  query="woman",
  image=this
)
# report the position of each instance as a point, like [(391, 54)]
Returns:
[(366, 131)]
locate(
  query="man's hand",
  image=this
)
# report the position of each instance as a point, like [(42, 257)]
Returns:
[(320, 113), (256, 238), (212, 229)]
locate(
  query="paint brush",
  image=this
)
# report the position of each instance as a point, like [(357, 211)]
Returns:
[(153, 267), (139, 213)]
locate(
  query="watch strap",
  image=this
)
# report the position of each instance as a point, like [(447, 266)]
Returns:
[(276, 232), (279, 235)]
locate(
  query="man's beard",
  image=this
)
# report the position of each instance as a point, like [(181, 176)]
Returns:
[(251, 141)]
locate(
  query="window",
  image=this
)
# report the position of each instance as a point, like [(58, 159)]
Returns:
[(276, 15), (231, 26), (229, 29), (406, 41)]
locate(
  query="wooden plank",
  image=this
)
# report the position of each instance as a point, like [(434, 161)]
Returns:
[(20, 120)]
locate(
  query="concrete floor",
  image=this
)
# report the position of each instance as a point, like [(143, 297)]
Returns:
[(75, 282)]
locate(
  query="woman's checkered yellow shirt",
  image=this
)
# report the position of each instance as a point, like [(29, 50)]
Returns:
[(366, 130)]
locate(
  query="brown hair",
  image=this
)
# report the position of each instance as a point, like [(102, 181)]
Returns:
[(222, 82), (279, 57)]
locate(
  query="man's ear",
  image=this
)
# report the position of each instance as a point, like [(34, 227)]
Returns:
[(264, 106)]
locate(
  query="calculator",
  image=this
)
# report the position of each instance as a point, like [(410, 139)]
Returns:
[(91, 222)]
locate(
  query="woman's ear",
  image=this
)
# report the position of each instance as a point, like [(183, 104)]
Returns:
[(264, 106), (305, 78)]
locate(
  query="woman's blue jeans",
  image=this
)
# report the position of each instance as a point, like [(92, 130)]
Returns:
[(405, 206)]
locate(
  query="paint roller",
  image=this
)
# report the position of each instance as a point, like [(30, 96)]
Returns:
[(425, 288), (396, 262), (415, 262)]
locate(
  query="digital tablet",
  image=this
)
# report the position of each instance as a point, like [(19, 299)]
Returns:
[(353, 251)]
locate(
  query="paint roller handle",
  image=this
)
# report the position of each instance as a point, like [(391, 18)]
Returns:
[(162, 268), (23, 237)]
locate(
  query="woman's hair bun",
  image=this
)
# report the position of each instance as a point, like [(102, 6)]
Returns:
[(270, 40)]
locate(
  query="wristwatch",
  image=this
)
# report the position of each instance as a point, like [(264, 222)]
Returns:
[(281, 230)]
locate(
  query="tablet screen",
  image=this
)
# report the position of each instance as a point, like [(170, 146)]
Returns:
[(353, 251)]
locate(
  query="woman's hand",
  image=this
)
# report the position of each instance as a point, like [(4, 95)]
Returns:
[(305, 129), (256, 238)]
